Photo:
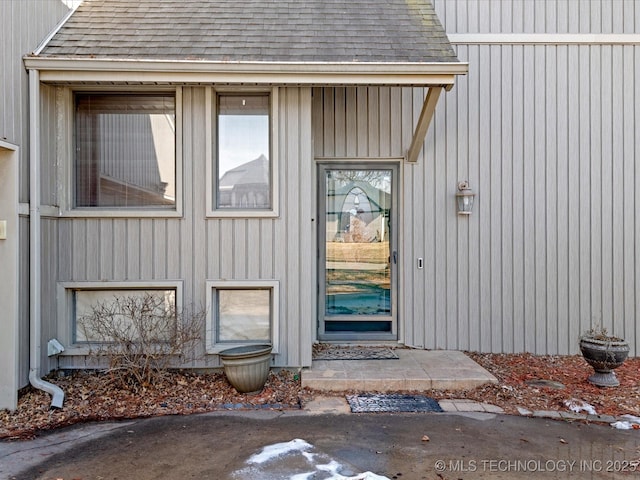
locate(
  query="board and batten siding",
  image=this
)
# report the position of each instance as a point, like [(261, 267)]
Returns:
[(24, 25), (546, 129), (194, 249), (534, 16), (547, 137)]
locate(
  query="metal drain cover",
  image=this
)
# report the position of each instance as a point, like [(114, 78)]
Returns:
[(392, 403)]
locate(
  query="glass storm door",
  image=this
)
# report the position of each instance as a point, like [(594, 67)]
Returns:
[(358, 258)]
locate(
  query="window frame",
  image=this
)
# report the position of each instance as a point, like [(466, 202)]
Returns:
[(213, 347), (66, 155), (211, 102), (67, 313)]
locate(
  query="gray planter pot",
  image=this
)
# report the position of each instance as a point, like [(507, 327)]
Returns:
[(604, 356), (247, 368)]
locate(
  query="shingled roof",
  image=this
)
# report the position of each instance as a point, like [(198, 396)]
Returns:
[(324, 31)]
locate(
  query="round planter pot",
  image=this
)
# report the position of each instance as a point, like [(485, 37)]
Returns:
[(604, 356), (247, 368)]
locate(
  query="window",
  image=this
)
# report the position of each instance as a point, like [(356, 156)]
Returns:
[(244, 166), (242, 312), (125, 148), (101, 315)]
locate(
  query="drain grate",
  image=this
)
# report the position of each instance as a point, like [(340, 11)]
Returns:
[(392, 403)]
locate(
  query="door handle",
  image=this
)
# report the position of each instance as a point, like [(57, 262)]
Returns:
[(395, 257)]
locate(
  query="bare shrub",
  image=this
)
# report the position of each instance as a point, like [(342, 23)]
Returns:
[(141, 336)]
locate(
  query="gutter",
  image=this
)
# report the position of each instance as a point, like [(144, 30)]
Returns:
[(35, 281)]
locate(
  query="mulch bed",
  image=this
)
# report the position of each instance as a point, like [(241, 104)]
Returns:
[(94, 396)]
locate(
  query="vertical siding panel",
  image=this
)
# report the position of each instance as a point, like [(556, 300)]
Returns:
[(595, 147), (453, 222), (472, 121), (306, 291), (106, 253), (340, 149), (267, 259), (484, 213), (373, 122), (120, 259), (574, 192), (362, 122), (606, 161), (352, 122), (630, 151), (190, 175), (551, 228), (318, 122), (214, 249), (585, 193), (436, 220), (254, 254), (197, 158), (133, 249), (563, 184), (618, 190), (505, 148), (519, 213), (396, 123), (423, 334), (295, 252), (540, 205), (241, 251), (494, 153), (147, 246), (529, 159), (458, 114), (174, 270), (160, 249), (79, 242), (227, 249), (64, 252), (384, 131), (329, 127)]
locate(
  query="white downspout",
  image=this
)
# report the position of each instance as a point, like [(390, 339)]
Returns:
[(35, 310)]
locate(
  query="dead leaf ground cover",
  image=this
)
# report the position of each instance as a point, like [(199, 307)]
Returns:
[(92, 396)]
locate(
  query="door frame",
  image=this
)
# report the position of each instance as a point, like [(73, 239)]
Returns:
[(395, 165)]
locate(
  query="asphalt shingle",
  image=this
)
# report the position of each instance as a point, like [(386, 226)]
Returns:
[(255, 30)]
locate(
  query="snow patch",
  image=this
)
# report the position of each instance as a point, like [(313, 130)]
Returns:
[(630, 423), (578, 406), (298, 460), (273, 451)]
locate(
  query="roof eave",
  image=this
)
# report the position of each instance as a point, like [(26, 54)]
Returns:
[(54, 69)]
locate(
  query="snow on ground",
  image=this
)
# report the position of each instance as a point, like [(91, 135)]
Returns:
[(298, 460)]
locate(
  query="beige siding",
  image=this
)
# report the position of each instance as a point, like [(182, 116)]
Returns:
[(532, 16), (550, 149), (195, 249), (547, 135), (24, 25)]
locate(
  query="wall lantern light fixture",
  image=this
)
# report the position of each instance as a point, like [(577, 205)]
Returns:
[(465, 197)]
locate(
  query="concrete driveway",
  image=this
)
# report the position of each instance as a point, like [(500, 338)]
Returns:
[(297, 445)]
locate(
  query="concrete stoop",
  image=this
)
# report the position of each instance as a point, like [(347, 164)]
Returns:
[(415, 370)]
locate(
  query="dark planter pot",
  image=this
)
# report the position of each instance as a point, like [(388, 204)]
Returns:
[(247, 368), (604, 356)]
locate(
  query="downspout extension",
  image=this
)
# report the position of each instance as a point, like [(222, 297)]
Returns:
[(35, 311)]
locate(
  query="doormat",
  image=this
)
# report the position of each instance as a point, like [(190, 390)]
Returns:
[(372, 403), (352, 353)]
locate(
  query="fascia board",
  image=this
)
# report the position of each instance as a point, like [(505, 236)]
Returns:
[(302, 73)]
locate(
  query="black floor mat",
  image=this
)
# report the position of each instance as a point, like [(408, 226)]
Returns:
[(354, 353), (392, 403)]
